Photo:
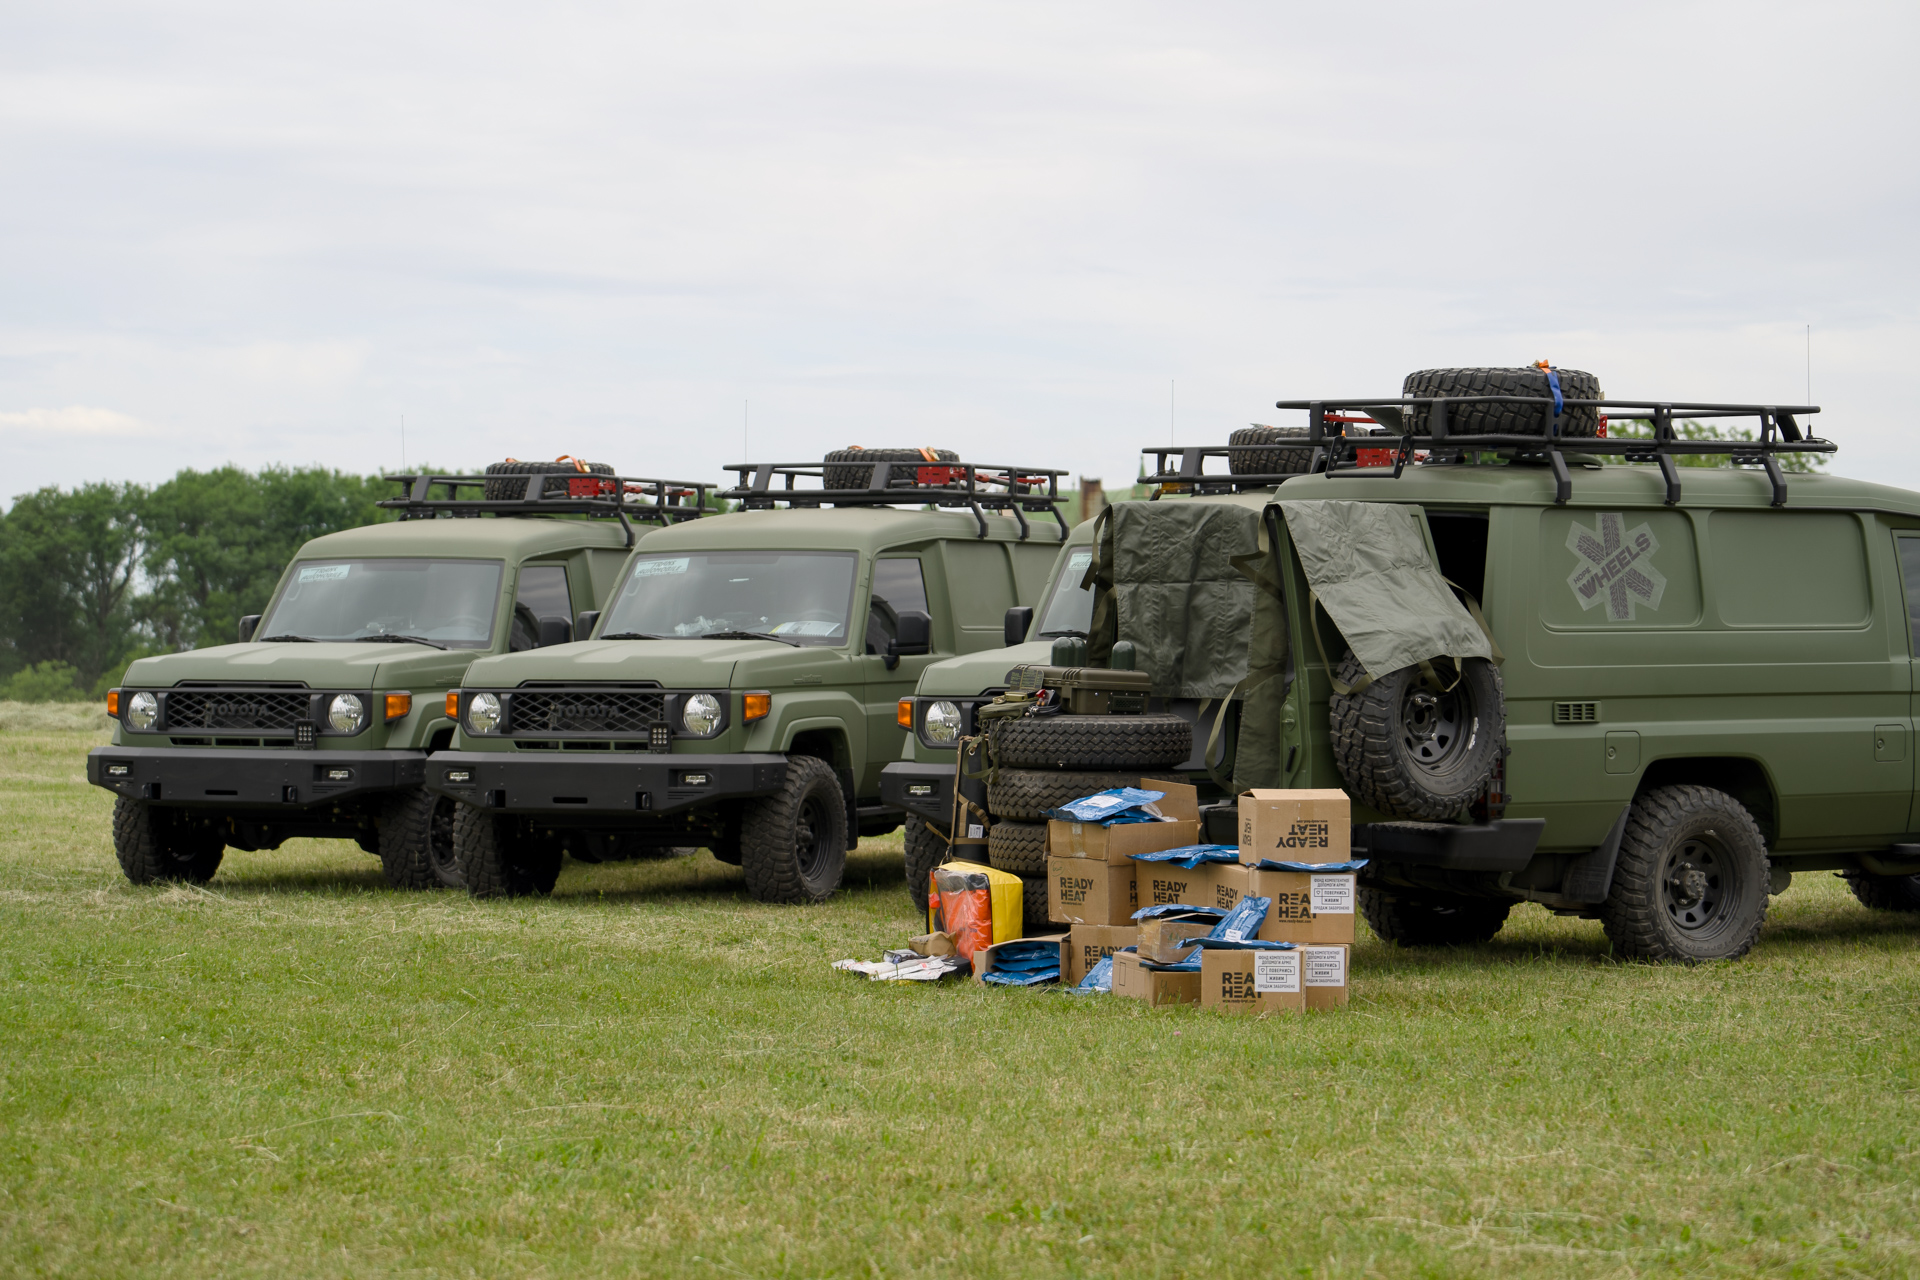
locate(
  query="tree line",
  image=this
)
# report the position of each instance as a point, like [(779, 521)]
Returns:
[(96, 576)]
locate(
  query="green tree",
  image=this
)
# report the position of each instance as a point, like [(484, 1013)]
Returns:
[(44, 682), (67, 567), (1803, 463)]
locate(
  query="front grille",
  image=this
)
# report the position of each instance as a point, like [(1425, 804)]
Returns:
[(235, 709), (587, 711)]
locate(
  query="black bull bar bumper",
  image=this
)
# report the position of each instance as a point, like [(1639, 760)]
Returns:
[(237, 778), (602, 785), (925, 790)]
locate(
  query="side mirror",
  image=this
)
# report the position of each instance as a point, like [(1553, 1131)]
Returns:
[(915, 636), (588, 620), (555, 631), (247, 625), (1019, 622)]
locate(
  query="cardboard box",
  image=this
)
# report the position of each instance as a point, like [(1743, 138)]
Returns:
[(1306, 906), (1117, 845), (1166, 939), (1252, 981), (1155, 986), (1082, 891), (1089, 943), (1211, 884), (984, 958), (1324, 972), (1295, 826)]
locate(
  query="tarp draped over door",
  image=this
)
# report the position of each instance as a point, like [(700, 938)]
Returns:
[(1369, 566), (1178, 597)]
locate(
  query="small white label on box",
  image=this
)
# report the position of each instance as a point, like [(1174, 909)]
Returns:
[(975, 831), (1326, 966), (1332, 895), (1276, 971)]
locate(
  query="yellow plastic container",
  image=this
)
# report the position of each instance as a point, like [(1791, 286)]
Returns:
[(1005, 895)]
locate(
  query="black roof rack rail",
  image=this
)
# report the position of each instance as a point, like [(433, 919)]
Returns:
[(644, 498), (979, 487), (1189, 472), (1335, 451)]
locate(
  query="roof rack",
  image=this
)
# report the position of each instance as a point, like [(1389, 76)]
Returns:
[(979, 487), (642, 498)]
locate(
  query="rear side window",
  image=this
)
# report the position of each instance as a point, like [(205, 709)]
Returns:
[(1910, 578), (1790, 569)]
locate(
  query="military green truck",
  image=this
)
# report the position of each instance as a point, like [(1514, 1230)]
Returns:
[(320, 721), (740, 691)]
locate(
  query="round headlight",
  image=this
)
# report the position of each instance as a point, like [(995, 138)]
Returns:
[(346, 713), (142, 710), (943, 722), (700, 714), (483, 713)]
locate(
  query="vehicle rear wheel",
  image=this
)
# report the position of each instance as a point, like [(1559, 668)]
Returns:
[(496, 858), (1427, 918), (1691, 880), (1027, 795), (1885, 893), (1415, 750), (925, 851), (1270, 462), (1019, 847), (416, 841), (157, 845), (793, 843), (1092, 742), (1494, 418)]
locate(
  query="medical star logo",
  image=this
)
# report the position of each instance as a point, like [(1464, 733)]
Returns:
[(1617, 567)]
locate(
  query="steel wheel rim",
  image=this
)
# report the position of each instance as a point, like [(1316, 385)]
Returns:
[(1698, 882), (1434, 727), (810, 830)]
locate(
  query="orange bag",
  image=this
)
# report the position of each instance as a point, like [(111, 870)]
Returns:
[(978, 905)]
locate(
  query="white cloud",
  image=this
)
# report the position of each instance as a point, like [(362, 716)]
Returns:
[(74, 420)]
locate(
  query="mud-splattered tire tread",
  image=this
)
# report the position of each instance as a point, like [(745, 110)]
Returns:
[(770, 856), (1884, 893), (151, 852), (1025, 795), (1634, 915), (1365, 748), (1496, 419), (925, 851), (494, 860), (1092, 742), (1019, 847), (1413, 918)]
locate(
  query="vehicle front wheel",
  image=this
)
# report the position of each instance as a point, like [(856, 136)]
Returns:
[(926, 849), (1885, 893), (1427, 918), (156, 845), (416, 841), (793, 843), (497, 860), (1691, 881)]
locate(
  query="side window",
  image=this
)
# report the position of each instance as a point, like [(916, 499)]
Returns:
[(542, 594), (1790, 569), (1910, 579), (899, 585)]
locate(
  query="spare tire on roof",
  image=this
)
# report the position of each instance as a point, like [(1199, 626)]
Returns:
[(840, 476), (1497, 419), (1270, 462), (570, 477)]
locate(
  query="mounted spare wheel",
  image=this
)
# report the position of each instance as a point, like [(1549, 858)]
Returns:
[(572, 478), (1270, 462), (932, 467), (1416, 743), (1156, 741), (1504, 419)]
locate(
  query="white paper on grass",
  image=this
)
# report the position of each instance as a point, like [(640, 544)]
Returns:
[(1326, 966), (1277, 971), (1331, 895)]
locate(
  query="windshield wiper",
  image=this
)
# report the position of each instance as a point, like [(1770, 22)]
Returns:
[(289, 638), (631, 635), (394, 637), (746, 635)]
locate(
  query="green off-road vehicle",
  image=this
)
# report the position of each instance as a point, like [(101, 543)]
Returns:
[(320, 721), (740, 691)]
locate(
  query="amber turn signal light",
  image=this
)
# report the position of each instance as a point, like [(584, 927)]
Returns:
[(453, 704), (113, 703), (903, 714), (398, 704), (756, 706)]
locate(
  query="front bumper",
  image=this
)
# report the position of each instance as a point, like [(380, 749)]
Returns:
[(580, 784), (237, 778), (925, 790)]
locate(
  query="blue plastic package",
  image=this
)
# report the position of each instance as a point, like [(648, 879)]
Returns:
[(1243, 921), (1192, 855), (1112, 808), (1024, 964), (1176, 908), (1098, 979), (1322, 868)]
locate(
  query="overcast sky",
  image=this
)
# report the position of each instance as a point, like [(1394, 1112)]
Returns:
[(260, 233)]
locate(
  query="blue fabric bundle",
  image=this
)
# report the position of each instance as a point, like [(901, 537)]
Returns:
[(1112, 808), (1190, 856), (1024, 964)]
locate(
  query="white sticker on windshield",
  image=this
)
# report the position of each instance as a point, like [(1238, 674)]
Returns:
[(324, 572), (1078, 561), (811, 628), (660, 568)]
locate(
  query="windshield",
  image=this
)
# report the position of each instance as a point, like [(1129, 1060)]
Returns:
[(800, 596), (1070, 608), (447, 602)]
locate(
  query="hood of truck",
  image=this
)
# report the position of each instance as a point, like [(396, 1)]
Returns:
[(318, 666), (967, 675), (674, 664)]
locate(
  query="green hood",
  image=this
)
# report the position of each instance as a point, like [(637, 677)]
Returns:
[(318, 666), (971, 673), (675, 664)]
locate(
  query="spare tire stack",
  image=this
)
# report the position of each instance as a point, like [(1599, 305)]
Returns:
[(1043, 762), (851, 468), (568, 476)]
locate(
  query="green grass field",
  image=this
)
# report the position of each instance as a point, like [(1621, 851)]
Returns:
[(295, 1072)]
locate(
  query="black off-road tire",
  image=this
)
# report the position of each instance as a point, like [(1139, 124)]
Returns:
[(925, 851), (1691, 880), (507, 489), (1409, 751), (416, 841), (496, 860), (1423, 918), (155, 847), (1033, 895), (1885, 893), (1019, 847), (1026, 795), (1157, 741), (1497, 419), (861, 477), (793, 843), (1270, 462)]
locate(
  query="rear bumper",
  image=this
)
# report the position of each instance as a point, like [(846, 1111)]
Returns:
[(603, 785), (236, 778), (925, 790)]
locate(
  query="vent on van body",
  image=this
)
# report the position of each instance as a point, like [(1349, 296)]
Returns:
[(1576, 713)]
